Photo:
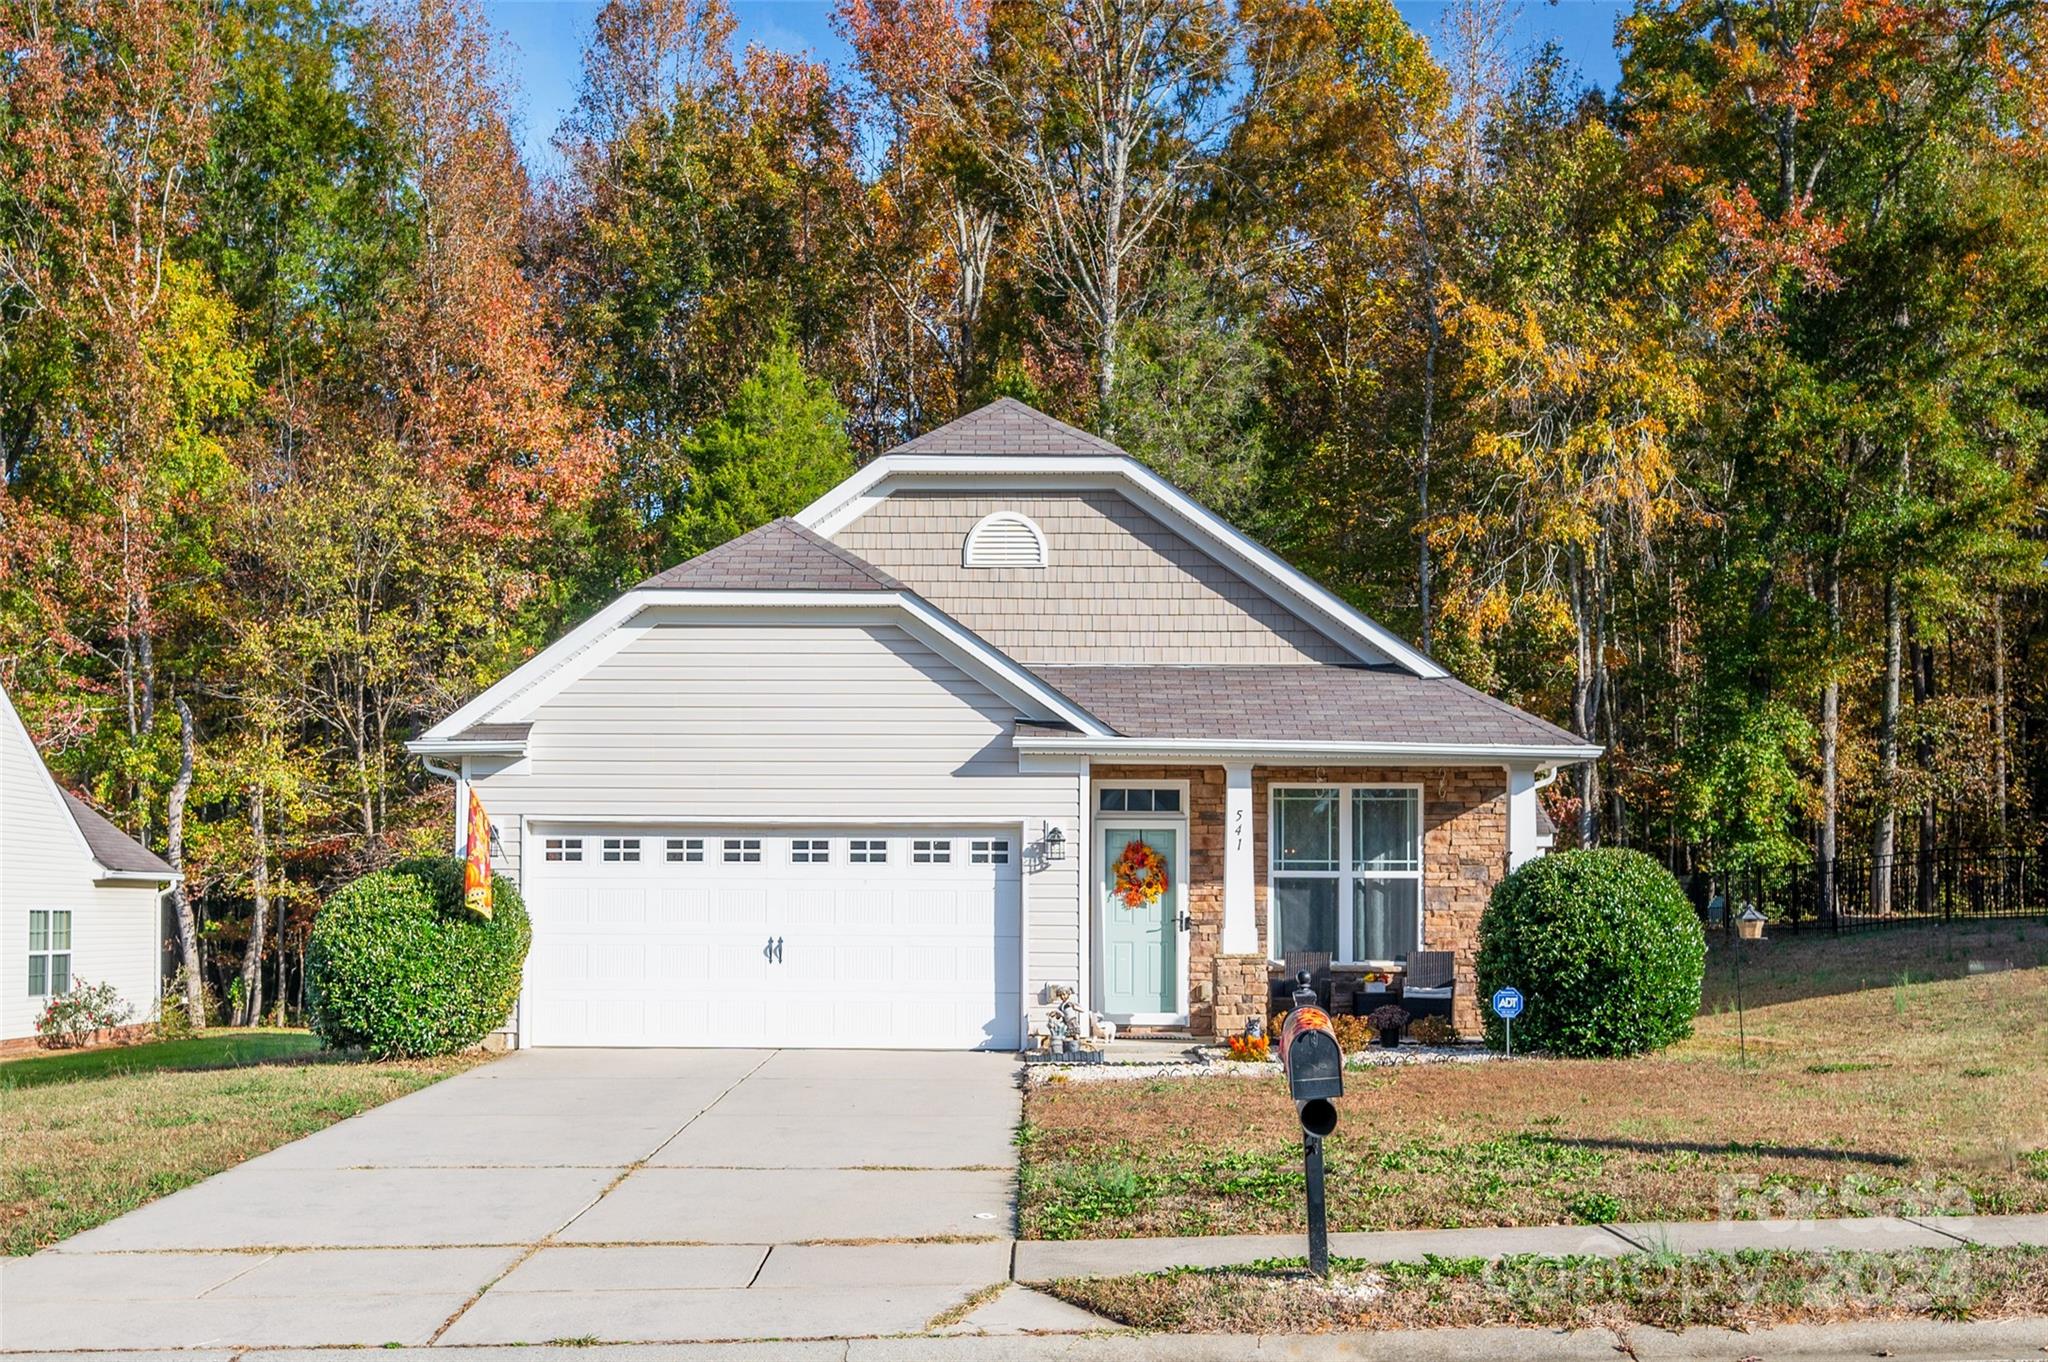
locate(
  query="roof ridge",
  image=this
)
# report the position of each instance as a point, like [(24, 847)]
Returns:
[(783, 539), (989, 428), (839, 551)]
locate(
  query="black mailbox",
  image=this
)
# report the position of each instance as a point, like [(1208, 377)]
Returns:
[(1315, 1079)]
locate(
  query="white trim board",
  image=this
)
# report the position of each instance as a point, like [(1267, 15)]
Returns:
[(1365, 638), (1210, 751)]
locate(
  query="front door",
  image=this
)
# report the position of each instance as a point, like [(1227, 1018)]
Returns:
[(1141, 965)]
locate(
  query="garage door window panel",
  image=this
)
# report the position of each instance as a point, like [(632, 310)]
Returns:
[(621, 849), (741, 850), (867, 851), (810, 851), (562, 849), (686, 850)]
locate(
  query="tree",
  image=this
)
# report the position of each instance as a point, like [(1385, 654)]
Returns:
[(779, 446), (1099, 118)]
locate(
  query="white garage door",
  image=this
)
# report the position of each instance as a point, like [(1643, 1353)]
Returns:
[(898, 939)]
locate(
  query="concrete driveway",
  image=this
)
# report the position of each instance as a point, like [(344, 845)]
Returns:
[(568, 1194)]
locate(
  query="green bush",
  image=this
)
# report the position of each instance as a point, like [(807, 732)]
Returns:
[(1603, 945), (397, 966)]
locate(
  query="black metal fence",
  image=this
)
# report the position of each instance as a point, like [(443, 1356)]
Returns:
[(1853, 893)]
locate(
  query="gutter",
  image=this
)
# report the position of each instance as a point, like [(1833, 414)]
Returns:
[(1276, 752)]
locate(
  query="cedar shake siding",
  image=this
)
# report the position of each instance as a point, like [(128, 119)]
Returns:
[(1120, 586)]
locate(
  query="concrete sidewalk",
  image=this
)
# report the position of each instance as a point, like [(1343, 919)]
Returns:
[(1046, 1260)]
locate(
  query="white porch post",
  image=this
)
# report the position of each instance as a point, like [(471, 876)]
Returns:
[(1521, 816), (1240, 918)]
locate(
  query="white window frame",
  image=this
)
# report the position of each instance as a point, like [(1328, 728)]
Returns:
[(810, 850), (49, 954), (739, 851), (988, 851), (868, 851), (618, 850), (563, 850), (682, 850), (931, 851), (1346, 874)]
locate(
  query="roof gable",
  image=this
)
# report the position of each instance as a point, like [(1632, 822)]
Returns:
[(1006, 427), (779, 556), (114, 851)]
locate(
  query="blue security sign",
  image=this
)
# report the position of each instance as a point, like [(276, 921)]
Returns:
[(1507, 1004)]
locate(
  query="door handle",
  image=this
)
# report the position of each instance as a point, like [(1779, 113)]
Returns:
[(778, 950), (768, 951), (1186, 921)]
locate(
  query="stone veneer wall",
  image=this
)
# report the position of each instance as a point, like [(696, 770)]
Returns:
[(1464, 854)]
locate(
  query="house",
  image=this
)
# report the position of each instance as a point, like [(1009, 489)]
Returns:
[(866, 776), (79, 898)]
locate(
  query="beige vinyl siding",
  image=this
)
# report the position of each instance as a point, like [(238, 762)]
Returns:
[(1120, 587), (116, 931), (842, 724)]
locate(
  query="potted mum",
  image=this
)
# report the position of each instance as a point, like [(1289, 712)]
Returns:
[(1387, 1023)]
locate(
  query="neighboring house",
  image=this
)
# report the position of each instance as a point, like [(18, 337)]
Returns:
[(861, 777), (79, 898)]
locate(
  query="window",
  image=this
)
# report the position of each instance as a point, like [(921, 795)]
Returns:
[(622, 848), (49, 952), (990, 852), (1347, 871), (563, 849), (685, 848), (1124, 799), (867, 851), (930, 851), (742, 849), (810, 850), (1004, 539)]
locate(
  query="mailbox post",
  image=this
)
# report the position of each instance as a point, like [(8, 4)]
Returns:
[(1315, 1078)]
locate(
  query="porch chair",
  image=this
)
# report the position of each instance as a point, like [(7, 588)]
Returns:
[(1431, 984), (1280, 996)]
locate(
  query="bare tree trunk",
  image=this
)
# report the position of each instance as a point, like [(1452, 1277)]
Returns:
[(252, 957), (1998, 755), (1884, 836), (1831, 739), (1923, 753), (1586, 691), (277, 954), (181, 902)]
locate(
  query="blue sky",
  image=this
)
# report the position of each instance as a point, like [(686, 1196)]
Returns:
[(546, 38)]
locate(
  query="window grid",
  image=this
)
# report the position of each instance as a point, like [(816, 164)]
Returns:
[(621, 848), (1138, 799), (563, 849), (685, 849), (810, 850), (867, 850), (1346, 869), (931, 851), (49, 952), (744, 850), (995, 851)]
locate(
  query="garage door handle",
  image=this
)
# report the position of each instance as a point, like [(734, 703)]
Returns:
[(772, 952), (778, 950)]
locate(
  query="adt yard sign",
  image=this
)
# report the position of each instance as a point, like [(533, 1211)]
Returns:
[(1507, 1005)]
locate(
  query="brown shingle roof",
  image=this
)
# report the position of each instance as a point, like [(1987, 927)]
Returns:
[(1298, 704), (111, 847), (1007, 426), (780, 556)]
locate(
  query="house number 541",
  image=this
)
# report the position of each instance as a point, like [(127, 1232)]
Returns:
[(1237, 831)]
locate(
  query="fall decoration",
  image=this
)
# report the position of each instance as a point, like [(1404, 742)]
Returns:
[(1140, 876)]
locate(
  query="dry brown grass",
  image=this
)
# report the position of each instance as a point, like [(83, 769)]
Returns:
[(77, 1153), (1740, 1291), (1881, 1076)]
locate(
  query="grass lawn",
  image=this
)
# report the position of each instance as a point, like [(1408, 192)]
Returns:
[(88, 1136), (1737, 1291), (1883, 1076)]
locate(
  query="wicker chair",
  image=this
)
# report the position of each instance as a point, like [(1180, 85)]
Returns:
[(1431, 985), (1280, 996)]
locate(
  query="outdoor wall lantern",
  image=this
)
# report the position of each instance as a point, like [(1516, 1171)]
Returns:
[(1055, 844)]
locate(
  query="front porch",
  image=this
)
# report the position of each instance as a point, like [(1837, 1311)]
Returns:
[(1375, 863)]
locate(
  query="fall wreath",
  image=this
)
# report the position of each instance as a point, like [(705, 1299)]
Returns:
[(1140, 876)]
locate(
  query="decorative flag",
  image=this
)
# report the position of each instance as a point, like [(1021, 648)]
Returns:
[(476, 865)]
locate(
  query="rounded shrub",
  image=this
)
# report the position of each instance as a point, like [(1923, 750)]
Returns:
[(398, 967), (1605, 949)]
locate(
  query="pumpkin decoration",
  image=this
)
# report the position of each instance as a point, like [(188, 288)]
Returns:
[(1140, 876)]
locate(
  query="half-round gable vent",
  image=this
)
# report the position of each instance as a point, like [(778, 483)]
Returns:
[(1004, 539)]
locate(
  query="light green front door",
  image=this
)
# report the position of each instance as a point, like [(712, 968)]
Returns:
[(1141, 946)]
